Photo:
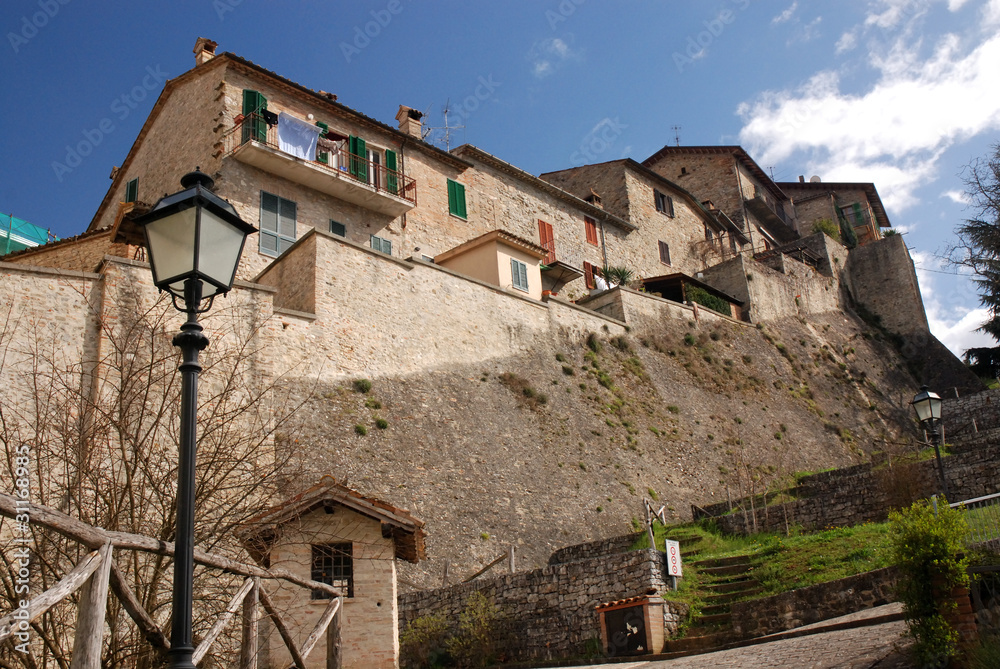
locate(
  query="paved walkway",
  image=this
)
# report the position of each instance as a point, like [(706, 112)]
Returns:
[(871, 647)]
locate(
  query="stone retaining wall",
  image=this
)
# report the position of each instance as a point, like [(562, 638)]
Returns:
[(859, 494), (814, 603), (595, 549), (550, 612)]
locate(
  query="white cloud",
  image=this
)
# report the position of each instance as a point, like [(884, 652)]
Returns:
[(956, 196), (847, 42), (894, 132), (787, 14), (548, 54), (955, 5), (951, 317)]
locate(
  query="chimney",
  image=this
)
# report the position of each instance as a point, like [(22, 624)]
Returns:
[(204, 51), (409, 121), (594, 199), (802, 179)]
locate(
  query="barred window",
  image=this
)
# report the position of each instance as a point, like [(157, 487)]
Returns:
[(333, 564)]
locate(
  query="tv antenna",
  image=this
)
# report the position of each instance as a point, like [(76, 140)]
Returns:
[(677, 134), (770, 168), (447, 127)]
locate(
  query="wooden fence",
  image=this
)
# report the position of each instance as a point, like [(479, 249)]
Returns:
[(97, 573)]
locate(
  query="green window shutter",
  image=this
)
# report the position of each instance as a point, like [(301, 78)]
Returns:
[(359, 157), (324, 126), (338, 229), (523, 271), (392, 180), (277, 224), (132, 190), (858, 216), (456, 199), (254, 127), (519, 274), (381, 245)]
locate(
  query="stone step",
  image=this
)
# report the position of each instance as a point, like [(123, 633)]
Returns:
[(736, 585), (723, 562), (715, 620), (730, 597), (701, 642), (727, 570), (713, 609)]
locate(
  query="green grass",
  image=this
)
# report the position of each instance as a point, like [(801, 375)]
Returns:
[(780, 563)]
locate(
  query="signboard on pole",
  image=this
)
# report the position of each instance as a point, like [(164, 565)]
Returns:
[(673, 558)]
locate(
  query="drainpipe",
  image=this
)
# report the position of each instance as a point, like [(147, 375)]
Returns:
[(604, 245)]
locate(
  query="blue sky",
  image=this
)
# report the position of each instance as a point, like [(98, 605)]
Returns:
[(899, 92)]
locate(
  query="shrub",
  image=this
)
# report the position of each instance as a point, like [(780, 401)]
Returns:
[(567, 370), (890, 232), (362, 385), (422, 644), (689, 339), (652, 494), (475, 641), (593, 343), (621, 343), (560, 357), (381, 423), (706, 299), (925, 543), (673, 408), (373, 403), (360, 430), (828, 228)]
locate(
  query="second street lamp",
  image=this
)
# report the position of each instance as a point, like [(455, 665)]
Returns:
[(927, 404), (194, 239)]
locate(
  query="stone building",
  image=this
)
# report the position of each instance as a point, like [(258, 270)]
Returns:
[(336, 536), (855, 204), (737, 185)]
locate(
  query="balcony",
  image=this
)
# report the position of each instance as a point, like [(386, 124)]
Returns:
[(343, 175), (773, 216)]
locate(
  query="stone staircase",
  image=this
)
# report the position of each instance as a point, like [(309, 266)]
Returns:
[(728, 579)]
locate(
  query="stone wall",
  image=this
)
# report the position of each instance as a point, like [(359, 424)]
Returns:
[(82, 255), (958, 413), (814, 603), (595, 549), (887, 262), (862, 493), (549, 612)]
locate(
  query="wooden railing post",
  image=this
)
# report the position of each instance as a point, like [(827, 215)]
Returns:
[(248, 649), (334, 659), (90, 615)]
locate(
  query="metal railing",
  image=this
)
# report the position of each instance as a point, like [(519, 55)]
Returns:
[(338, 161), (983, 517)]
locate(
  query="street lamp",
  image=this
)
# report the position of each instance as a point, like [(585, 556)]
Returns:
[(928, 407), (194, 239)]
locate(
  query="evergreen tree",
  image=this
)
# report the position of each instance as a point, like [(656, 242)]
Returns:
[(978, 248)]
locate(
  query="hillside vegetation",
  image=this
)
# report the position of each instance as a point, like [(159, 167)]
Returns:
[(560, 444)]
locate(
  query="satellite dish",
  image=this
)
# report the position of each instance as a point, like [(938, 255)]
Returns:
[(814, 179)]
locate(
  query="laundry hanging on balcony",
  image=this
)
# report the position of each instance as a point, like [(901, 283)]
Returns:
[(297, 137)]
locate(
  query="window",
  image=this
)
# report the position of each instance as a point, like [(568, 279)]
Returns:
[(277, 224), (708, 234), (590, 227), (588, 275), (358, 158), (547, 241), (132, 190), (382, 245), (519, 274), (254, 126), (664, 203), (664, 253), (456, 199), (338, 229), (333, 564)]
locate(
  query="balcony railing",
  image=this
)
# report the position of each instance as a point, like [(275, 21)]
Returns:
[(336, 161)]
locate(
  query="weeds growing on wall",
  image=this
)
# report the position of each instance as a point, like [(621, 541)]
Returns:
[(706, 299), (925, 544), (429, 641)]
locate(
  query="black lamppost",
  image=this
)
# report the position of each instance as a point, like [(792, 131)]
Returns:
[(928, 408), (194, 239)]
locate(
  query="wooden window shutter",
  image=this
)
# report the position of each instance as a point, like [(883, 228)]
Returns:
[(670, 206), (590, 227), (588, 275), (392, 178), (254, 126), (547, 241), (456, 199), (858, 216), (359, 157), (132, 190), (664, 253)]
